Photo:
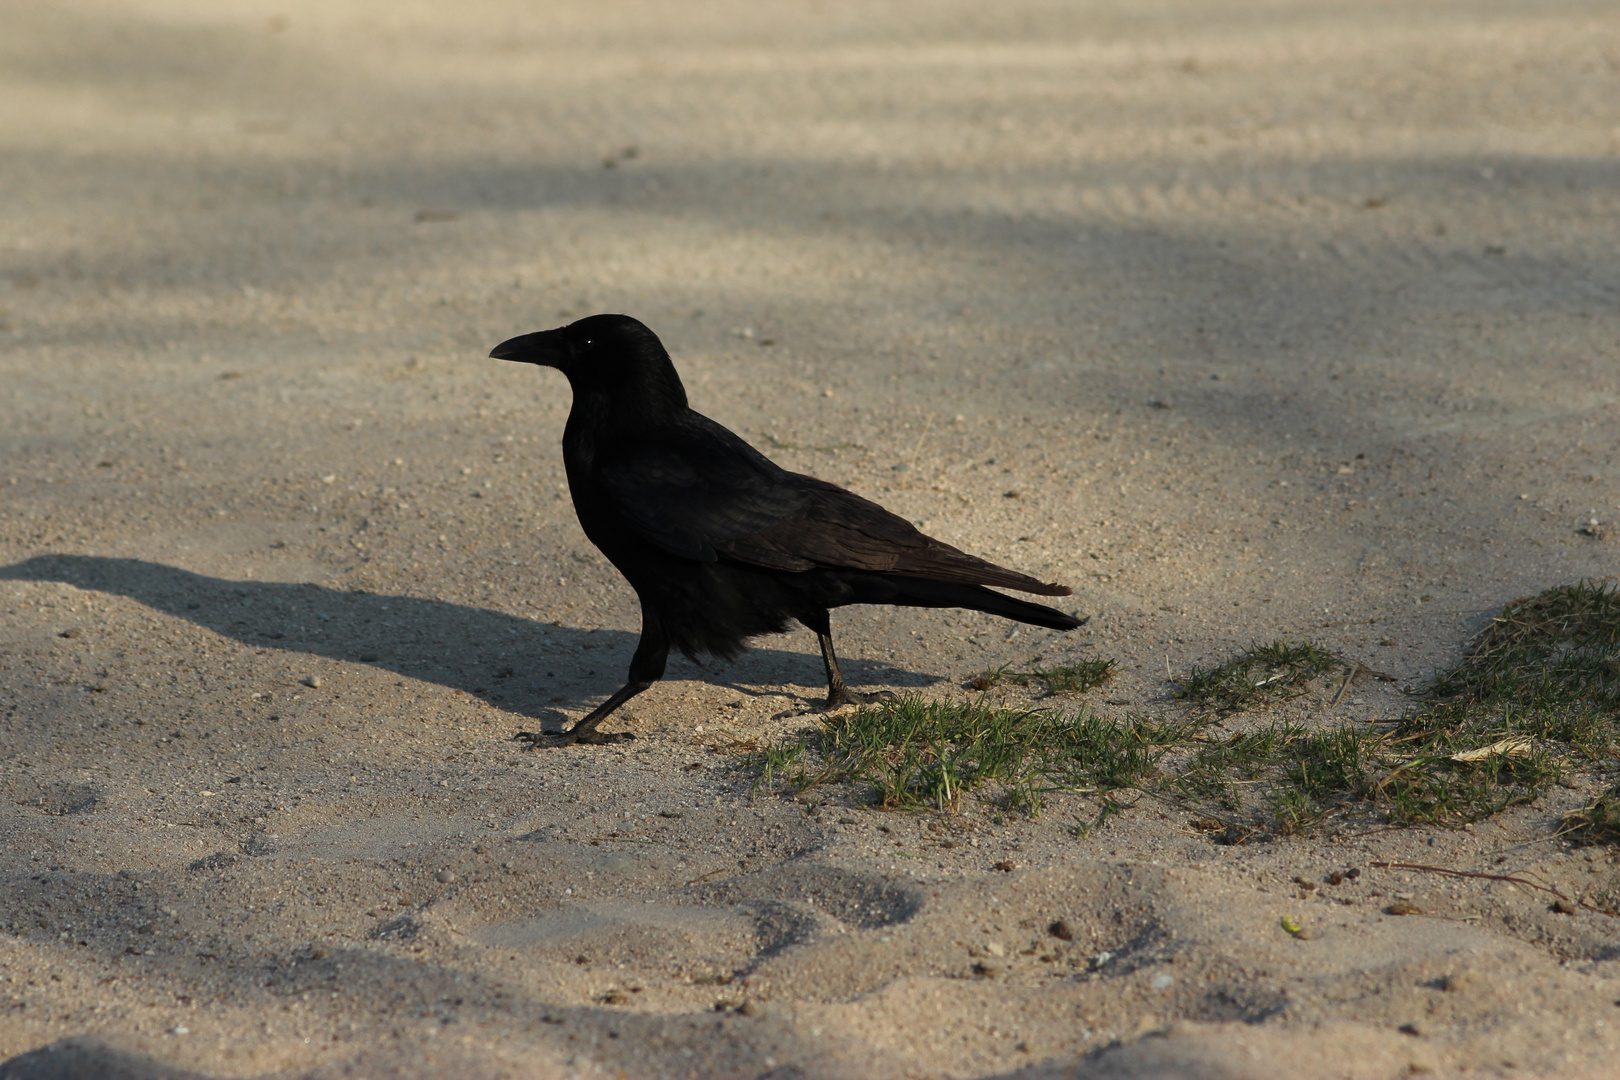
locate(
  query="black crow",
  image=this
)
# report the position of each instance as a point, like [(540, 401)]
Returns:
[(720, 543)]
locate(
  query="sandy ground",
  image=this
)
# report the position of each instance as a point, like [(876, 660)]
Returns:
[(1247, 319)]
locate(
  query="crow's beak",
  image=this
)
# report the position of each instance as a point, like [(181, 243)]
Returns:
[(546, 347)]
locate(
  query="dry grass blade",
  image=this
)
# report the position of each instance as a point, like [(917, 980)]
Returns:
[(1356, 673), (1516, 746), (1515, 879)]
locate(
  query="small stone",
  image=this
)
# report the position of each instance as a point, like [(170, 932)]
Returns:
[(1402, 907), (313, 682), (1161, 982), (445, 876), (70, 632), (1006, 866), (1563, 907), (1061, 930), (995, 949), (1414, 1028)]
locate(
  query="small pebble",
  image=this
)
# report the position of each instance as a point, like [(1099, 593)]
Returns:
[(995, 949), (445, 876), (313, 682), (1061, 930)]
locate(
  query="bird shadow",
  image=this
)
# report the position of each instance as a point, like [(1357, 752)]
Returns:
[(521, 665)]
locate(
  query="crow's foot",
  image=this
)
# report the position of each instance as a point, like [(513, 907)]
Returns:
[(546, 740), (843, 696)]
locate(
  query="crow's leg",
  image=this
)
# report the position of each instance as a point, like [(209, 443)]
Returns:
[(646, 668), (837, 693)]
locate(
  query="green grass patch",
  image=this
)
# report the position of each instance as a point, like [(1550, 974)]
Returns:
[(1536, 695), (1258, 676), (910, 754)]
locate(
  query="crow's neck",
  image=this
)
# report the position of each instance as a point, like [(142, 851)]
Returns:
[(604, 416)]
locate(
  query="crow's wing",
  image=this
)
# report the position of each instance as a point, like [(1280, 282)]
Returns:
[(708, 495), (839, 528), (700, 492)]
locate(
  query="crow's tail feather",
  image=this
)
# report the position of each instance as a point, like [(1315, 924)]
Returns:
[(920, 592)]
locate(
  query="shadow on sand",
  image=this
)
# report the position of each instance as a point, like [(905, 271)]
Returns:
[(518, 664)]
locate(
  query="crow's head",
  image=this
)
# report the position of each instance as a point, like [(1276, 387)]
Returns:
[(608, 356), (604, 344), (613, 357)]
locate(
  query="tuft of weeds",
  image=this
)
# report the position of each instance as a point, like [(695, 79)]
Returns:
[(910, 754), (1284, 776), (1595, 823), (1548, 666), (1217, 769), (1538, 690), (1257, 676), (1075, 678), (1078, 677)]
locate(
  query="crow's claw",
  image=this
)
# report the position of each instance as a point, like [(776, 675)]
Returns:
[(548, 740), (845, 696)]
